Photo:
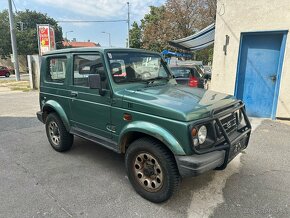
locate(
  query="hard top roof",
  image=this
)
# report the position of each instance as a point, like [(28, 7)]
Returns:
[(94, 49)]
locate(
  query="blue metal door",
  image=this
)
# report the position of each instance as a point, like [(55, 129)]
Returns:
[(259, 73)]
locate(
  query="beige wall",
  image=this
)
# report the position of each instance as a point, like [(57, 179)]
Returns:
[(22, 63), (236, 16)]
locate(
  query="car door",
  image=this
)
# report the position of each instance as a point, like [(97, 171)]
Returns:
[(90, 111), (2, 73), (199, 75)]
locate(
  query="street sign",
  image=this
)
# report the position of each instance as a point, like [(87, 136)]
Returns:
[(52, 38), (46, 38)]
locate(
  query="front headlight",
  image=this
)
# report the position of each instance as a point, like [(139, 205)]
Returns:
[(202, 133)]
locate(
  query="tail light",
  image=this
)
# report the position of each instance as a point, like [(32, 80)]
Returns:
[(193, 81)]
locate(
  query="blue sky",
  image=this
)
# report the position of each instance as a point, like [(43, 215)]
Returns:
[(90, 10)]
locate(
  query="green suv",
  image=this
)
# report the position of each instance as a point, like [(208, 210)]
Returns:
[(128, 101)]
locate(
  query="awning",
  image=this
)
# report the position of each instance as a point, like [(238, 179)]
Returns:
[(176, 54), (197, 41)]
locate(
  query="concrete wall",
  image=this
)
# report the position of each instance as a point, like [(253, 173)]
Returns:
[(22, 63), (236, 16), (34, 70)]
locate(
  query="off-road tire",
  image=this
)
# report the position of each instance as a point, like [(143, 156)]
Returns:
[(65, 138), (165, 160)]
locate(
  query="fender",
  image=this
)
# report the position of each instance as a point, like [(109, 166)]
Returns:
[(155, 131), (59, 110)]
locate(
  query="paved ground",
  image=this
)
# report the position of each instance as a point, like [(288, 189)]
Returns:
[(12, 77), (90, 181)]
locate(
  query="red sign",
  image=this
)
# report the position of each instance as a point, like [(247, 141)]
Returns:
[(43, 35), (46, 38), (52, 38)]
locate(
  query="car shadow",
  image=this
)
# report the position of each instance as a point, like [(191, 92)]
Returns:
[(98, 154), (114, 162), (95, 161)]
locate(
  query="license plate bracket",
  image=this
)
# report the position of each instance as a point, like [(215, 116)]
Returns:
[(236, 149)]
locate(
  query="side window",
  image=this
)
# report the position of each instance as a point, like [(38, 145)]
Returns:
[(197, 74), (56, 70), (84, 65), (118, 70)]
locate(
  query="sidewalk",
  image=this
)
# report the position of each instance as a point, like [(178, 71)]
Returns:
[(11, 85)]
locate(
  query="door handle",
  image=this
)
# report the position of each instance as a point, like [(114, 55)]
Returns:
[(74, 94), (273, 78)]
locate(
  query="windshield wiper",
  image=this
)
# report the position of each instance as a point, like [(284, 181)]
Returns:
[(135, 80), (179, 76)]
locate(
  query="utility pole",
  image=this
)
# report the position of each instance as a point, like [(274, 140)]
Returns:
[(109, 34), (128, 25), (67, 33), (13, 41)]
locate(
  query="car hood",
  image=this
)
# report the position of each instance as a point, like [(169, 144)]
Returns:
[(175, 101)]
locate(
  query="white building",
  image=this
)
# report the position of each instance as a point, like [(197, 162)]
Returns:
[(252, 55)]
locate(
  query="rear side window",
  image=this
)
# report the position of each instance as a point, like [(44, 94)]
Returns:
[(56, 70), (84, 65), (181, 72)]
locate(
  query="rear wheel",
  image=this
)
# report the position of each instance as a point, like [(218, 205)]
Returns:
[(59, 138), (152, 170), (7, 74)]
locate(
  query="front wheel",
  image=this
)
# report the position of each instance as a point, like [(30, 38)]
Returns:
[(7, 74), (59, 138), (152, 170)]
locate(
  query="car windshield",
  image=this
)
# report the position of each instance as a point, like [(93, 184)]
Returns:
[(183, 72), (136, 67), (180, 72)]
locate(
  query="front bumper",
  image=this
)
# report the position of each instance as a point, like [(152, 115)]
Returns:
[(223, 152), (195, 165)]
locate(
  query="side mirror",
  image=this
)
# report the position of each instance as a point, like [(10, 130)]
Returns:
[(95, 82)]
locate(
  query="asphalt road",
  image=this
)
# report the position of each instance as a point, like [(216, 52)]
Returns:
[(90, 181)]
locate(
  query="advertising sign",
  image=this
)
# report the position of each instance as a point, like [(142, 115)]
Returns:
[(52, 38), (46, 38)]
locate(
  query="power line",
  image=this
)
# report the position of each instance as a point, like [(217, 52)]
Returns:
[(91, 21)]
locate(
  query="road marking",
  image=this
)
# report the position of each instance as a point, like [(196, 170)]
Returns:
[(208, 197)]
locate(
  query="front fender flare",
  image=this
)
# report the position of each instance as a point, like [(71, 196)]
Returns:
[(59, 110), (156, 132)]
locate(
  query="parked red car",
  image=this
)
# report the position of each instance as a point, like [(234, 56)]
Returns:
[(4, 71), (189, 75)]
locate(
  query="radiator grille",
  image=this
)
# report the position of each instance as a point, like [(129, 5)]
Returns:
[(230, 123)]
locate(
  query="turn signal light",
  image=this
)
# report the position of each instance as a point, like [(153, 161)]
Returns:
[(127, 117), (194, 132)]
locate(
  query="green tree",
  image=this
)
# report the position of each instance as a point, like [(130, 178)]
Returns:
[(5, 40), (135, 36), (174, 20), (27, 41), (205, 55), (154, 30)]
